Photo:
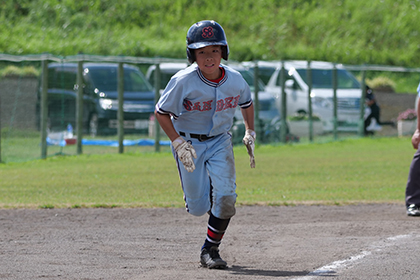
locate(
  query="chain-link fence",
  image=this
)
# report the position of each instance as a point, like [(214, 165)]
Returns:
[(104, 104)]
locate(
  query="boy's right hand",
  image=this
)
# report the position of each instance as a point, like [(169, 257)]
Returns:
[(185, 152)]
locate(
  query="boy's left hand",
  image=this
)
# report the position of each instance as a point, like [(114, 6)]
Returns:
[(415, 139), (249, 142)]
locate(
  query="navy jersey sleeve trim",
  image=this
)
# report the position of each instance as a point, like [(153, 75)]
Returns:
[(246, 104), (163, 112)]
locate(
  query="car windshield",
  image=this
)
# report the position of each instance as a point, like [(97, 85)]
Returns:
[(322, 78), (249, 78), (164, 78), (264, 73), (105, 79)]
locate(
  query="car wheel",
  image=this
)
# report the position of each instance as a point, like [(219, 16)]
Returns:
[(301, 112), (93, 125)]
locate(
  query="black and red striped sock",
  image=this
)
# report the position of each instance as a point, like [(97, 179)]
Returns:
[(215, 230)]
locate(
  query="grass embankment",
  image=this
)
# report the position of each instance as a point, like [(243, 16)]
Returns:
[(351, 32)]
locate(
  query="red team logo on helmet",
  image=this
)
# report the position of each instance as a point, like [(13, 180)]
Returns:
[(207, 32)]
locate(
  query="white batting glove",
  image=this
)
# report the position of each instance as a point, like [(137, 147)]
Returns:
[(185, 152), (249, 142)]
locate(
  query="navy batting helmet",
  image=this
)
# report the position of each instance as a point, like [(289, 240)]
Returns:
[(206, 33)]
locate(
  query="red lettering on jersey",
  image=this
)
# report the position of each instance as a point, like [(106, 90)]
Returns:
[(228, 103), (207, 105), (236, 101), (187, 105), (197, 106), (220, 104)]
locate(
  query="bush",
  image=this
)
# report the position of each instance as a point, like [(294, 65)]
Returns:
[(303, 117), (381, 83), (14, 71), (409, 114)]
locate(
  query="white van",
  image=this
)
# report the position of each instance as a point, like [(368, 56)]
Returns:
[(348, 91)]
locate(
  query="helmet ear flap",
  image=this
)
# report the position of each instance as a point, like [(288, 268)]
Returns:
[(225, 52), (190, 55)]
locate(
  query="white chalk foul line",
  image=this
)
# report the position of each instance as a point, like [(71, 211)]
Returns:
[(336, 266)]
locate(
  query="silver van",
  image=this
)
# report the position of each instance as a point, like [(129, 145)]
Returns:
[(296, 87)]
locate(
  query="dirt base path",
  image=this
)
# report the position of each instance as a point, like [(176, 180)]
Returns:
[(301, 242)]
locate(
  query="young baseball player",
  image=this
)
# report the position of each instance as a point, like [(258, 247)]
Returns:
[(196, 111), (375, 112), (412, 190)]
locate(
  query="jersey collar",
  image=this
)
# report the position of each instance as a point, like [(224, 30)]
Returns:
[(210, 83)]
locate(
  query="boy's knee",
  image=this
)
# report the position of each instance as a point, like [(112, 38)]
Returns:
[(197, 212), (224, 207), (198, 208)]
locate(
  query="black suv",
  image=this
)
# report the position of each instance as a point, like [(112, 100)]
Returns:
[(100, 98)]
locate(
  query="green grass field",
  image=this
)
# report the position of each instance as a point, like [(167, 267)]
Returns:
[(366, 170)]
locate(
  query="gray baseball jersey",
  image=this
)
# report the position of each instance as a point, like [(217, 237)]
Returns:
[(200, 106)]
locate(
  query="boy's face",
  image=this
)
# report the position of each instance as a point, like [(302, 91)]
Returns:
[(208, 60)]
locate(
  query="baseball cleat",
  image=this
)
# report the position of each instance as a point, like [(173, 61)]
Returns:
[(210, 258), (413, 210)]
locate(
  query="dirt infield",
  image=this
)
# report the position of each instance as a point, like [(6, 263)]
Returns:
[(299, 242)]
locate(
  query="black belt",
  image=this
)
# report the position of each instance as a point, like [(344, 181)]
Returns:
[(200, 137)]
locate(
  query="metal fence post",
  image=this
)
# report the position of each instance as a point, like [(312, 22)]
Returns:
[(120, 116), (0, 129), (283, 130), (257, 124), (44, 108), (79, 107), (362, 105), (309, 81), (334, 81), (157, 96)]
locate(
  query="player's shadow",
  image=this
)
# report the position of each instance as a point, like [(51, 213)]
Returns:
[(243, 270)]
